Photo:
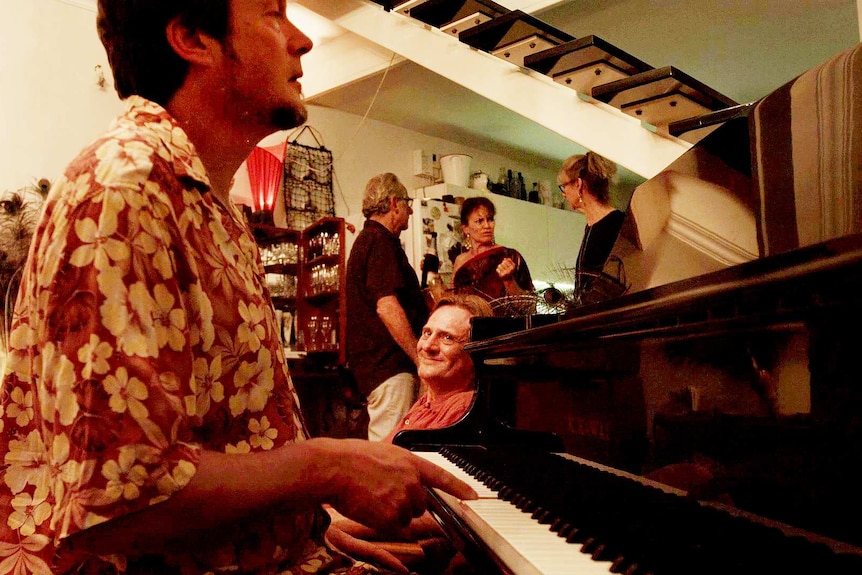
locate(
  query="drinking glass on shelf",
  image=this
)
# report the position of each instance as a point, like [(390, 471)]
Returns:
[(325, 329), (266, 255), (313, 341), (291, 253), (289, 285), (316, 279), (275, 283)]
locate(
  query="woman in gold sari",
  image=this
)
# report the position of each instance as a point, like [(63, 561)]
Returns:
[(486, 269)]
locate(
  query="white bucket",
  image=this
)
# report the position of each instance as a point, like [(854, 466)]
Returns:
[(456, 169)]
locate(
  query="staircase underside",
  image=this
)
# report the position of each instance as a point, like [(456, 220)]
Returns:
[(377, 39)]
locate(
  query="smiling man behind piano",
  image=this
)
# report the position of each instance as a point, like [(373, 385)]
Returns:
[(445, 369)]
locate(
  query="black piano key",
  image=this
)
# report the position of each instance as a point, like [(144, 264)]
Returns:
[(620, 565), (547, 517), (557, 523), (564, 528), (643, 530), (577, 535)]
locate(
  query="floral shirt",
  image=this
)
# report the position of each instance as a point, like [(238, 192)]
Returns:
[(143, 334)]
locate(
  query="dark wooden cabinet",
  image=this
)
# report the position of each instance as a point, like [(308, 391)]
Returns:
[(321, 302), (305, 273), (280, 252)]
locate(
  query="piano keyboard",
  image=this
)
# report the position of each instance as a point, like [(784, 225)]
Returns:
[(525, 546), (567, 516)]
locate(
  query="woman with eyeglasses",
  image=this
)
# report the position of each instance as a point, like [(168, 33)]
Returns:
[(485, 268), (584, 181)]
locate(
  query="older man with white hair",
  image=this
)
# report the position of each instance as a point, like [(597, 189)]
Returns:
[(385, 307)]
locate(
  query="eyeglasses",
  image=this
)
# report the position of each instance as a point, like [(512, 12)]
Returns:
[(408, 201), (446, 339), (563, 187)]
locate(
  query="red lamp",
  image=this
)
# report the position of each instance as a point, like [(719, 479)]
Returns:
[(264, 174)]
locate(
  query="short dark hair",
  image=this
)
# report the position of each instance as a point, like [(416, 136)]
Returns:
[(133, 33), (472, 204)]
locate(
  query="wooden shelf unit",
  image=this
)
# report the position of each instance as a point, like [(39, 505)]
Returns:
[(316, 302)]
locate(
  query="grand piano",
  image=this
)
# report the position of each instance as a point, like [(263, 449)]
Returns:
[(710, 419)]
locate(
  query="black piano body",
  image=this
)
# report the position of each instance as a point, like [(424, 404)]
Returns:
[(736, 351)]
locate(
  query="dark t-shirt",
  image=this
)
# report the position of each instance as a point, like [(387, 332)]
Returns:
[(599, 240), (378, 267)]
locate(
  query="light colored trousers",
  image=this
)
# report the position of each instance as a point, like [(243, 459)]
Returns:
[(389, 402)]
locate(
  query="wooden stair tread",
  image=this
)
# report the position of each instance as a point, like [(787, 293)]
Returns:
[(584, 63), (513, 36), (662, 96)]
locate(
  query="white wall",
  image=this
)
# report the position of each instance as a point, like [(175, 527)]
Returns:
[(50, 105)]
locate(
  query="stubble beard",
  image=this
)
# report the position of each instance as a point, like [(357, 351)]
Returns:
[(286, 117)]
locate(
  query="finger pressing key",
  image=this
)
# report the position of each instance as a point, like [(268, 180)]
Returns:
[(433, 476)]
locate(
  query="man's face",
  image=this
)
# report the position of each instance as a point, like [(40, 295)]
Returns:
[(403, 211), (262, 67), (443, 364)]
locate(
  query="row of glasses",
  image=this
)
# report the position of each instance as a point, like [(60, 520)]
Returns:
[(324, 244), (281, 285), (280, 253), (324, 278), (322, 333)]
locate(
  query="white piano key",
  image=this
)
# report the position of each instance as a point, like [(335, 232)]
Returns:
[(440, 461), (524, 545)]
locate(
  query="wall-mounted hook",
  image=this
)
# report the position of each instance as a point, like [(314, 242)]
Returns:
[(100, 76)]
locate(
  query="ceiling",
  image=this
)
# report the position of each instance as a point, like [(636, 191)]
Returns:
[(454, 113), (417, 99), (710, 38)]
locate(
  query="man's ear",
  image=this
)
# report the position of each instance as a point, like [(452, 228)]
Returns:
[(193, 46)]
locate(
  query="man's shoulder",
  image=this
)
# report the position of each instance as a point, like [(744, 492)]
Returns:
[(131, 152), (375, 230), (137, 143), (373, 237)]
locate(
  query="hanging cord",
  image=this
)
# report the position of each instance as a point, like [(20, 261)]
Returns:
[(299, 131), (370, 106)]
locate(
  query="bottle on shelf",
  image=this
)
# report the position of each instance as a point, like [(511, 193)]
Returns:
[(511, 190), (430, 261), (534, 194), (502, 184), (522, 187)]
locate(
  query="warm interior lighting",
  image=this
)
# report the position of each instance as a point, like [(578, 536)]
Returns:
[(264, 173)]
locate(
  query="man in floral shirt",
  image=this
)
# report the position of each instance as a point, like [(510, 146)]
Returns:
[(148, 422)]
